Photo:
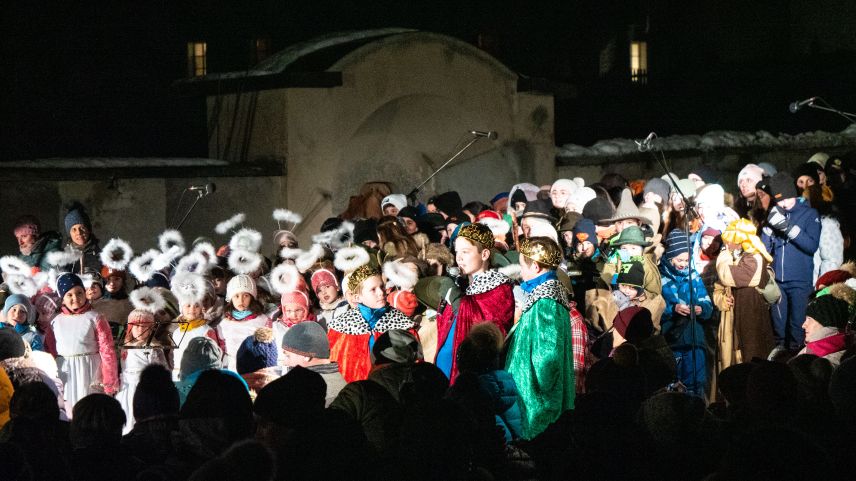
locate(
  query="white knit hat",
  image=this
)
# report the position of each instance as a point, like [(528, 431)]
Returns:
[(240, 283), (398, 200), (711, 195)]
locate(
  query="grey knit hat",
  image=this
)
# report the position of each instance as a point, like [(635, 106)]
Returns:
[(202, 353), (307, 339)]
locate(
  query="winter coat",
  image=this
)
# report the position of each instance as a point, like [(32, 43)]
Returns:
[(500, 388), (371, 405), (793, 259), (91, 253), (830, 253), (48, 242), (828, 343), (676, 290)]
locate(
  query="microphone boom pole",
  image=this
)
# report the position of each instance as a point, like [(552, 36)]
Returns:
[(477, 135)]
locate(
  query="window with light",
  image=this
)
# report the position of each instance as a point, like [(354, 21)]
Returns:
[(197, 64), (639, 62)]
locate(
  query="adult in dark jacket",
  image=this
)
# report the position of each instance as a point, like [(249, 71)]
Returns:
[(81, 239), (791, 235), (635, 325), (33, 244)]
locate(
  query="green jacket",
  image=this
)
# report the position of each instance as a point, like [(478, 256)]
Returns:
[(48, 242)]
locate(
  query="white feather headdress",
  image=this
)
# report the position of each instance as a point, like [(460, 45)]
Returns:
[(285, 215), (284, 278), (116, 254), (63, 258), (230, 223), (189, 287), (247, 240), (148, 299), (290, 253), (13, 266), (171, 240), (308, 258), (497, 227), (21, 284), (399, 275), (348, 259), (336, 238), (195, 263), (206, 250), (244, 262), (141, 267)]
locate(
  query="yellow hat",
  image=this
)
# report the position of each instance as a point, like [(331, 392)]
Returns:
[(359, 275)]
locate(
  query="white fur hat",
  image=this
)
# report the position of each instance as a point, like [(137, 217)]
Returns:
[(711, 196), (241, 283)]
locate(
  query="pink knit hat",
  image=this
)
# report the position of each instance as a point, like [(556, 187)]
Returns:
[(295, 297), (323, 277)]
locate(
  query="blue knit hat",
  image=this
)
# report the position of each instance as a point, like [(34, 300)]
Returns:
[(16, 299), (256, 352), (676, 244), (77, 215), (66, 282)]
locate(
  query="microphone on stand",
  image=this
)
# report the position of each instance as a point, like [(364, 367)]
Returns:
[(645, 145), (800, 104), (203, 190), (492, 135)]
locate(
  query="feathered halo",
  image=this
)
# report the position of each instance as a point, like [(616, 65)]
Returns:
[(497, 227), (230, 223), (342, 236), (13, 266), (512, 271), (21, 284), (194, 263), (87, 279), (63, 258), (165, 259), (290, 253), (46, 279), (247, 240), (142, 267), (307, 259), (171, 240), (285, 215), (189, 287), (207, 250), (244, 262), (116, 254), (284, 278), (148, 299), (349, 259), (399, 275)]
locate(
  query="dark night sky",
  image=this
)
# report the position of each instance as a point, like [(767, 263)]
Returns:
[(92, 78)]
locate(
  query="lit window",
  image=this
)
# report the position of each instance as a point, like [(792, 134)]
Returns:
[(639, 62), (197, 64), (261, 49)]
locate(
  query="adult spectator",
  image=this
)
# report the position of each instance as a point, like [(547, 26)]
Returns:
[(33, 244)]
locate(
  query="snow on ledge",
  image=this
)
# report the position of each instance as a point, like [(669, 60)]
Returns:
[(717, 139), (112, 163)]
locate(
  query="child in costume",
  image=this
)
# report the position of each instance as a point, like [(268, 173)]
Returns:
[(20, 315), (331, 302), (353, 333), (294, 308), (488, 296), (143, 345), (192, 323), (540, 345), (243, 315), (81, 341)]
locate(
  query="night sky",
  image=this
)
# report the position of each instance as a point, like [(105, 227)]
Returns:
[(93, 78)]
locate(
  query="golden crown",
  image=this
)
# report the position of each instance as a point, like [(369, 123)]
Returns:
[(478, 233), (543, 250), (359, 275)]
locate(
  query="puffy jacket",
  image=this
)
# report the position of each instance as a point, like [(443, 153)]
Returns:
[(499, 386), (793, 258), (48, 242)]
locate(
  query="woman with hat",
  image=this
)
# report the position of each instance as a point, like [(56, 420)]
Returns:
[(826, 323)]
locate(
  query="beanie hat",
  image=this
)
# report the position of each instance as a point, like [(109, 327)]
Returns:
[(519, 196), (27, 225), (782, 187), (365, 230), (295, 297), (447, 202), (581, 197), (156, 394), (19, 299), (706, 173), (632, 274), (66, 282), (323, 277), (829, 311), (11, 344), (711, 196), (408, 212), (634, 324), (657, 186), (598, 209), (307, 339), (764, 184), (396, 346), (256, 352), (751, 172), (807, 169), (687, 187), (845, 271), (292, 399), (404, 301), (398, 200), (200, 354), (241, 283), (77, 215), (141, 316), (768, 168), (676, 244), (584, 230)]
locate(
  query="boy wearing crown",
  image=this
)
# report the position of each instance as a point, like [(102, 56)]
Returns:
[(540, 353)]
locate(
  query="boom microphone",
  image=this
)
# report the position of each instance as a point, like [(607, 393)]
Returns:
[(492, 135), (203, 189), (798, 105)]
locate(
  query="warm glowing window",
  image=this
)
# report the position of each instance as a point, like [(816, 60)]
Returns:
[(197, 64), (261, 49), (639, 61)]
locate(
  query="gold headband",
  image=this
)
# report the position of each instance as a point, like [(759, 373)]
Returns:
[(542, 250), (359, 275), (478, 233)]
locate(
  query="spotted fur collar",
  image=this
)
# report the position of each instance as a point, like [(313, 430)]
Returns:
[(352, 322), (487, 281), (552, 289)]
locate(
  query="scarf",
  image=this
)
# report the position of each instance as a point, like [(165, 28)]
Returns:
[(82, 310), (827, 345), (531, 284), (371, 316), (185, 326), (242, 315)]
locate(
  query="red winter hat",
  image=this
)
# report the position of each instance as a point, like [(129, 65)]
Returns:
[(488, 214), (634, 324), (404, 301), (295, 297), (323, 277), (832, 277)]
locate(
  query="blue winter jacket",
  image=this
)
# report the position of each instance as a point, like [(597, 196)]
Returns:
[(499, 386), (793, 259), (676, 290)]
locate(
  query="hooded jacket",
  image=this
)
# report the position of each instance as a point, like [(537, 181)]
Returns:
[(793, 258)]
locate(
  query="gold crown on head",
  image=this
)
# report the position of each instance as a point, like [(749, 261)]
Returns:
[(478, 233), (543, 250), (359, 275)]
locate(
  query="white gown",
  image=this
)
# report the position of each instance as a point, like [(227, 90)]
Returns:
[(234, 332), (79, 354), (135, 360), (182, 339)]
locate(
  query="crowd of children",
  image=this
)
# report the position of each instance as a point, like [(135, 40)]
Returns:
[(562, 313)]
